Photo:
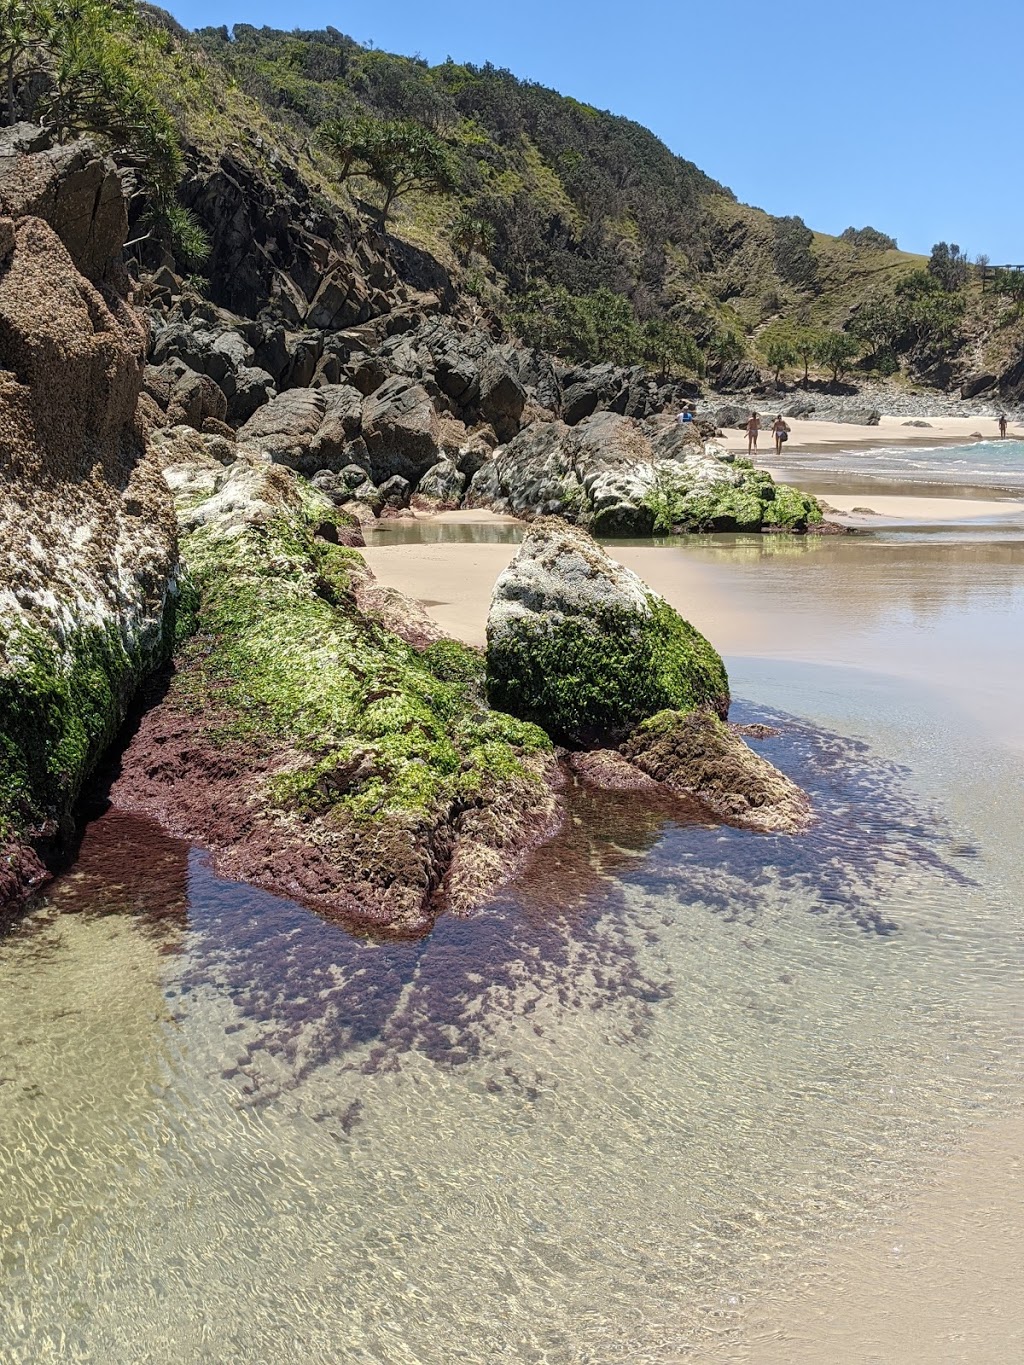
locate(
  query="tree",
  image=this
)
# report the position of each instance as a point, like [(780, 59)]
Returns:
[(84, 66), (806, 341), (470, 232), (348, 138), (726, 346), (777, 348), (981, 265), (949, 266), (878, 323), (666, 344), (398, 155), (868, 239), (837, 351)]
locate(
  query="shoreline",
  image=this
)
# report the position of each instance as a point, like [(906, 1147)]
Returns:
[(809, 434)]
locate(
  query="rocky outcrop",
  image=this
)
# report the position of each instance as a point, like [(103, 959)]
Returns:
[(87, 532), (693, 754), (618, 477), (317, 735), (70, 187), (579, 644)]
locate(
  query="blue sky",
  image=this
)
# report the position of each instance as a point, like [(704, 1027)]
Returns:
[(905, 115)]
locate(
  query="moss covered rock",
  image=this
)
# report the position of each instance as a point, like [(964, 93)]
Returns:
[(311, 748), (694, 754), (580, 645)]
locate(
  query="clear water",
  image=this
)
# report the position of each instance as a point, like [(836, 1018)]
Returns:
[(636, 1092)]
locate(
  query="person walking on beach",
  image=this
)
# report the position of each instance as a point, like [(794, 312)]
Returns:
[(753, 427), (1002, 426), (780, 430)]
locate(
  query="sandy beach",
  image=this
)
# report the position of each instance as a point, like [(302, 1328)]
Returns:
[(806, 432)]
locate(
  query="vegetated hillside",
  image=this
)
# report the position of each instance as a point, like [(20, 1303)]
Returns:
[(567, 197), (575, 229)]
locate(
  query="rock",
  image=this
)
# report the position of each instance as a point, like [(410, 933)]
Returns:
[(580, 645), (502, 397), (693, 754), (802, 407), (305, 742), (979, 383), (578, 401), (401, 430), (193, 399), (71, 187), (618, 477), (443, 484), (731, 415), (395, 492), (88, 552), (860, 417), (308, 429), (252, 388), (607, 769), (212, 427), (917, 422)]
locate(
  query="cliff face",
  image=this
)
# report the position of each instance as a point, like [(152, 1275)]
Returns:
[(87, 533)]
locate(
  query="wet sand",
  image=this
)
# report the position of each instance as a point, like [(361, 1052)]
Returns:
[(927, 510)]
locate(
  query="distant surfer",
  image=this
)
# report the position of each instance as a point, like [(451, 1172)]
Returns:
[(1002, 426)]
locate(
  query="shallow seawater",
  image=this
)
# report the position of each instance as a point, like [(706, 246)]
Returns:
[(637, 1091), (981, 469)]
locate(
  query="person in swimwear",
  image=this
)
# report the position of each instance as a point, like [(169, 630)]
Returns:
[(753, 427)]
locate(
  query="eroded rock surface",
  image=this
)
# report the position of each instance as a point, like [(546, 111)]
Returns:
[(87, 530), (696, 755)]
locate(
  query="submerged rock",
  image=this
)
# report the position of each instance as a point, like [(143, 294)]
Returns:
[(581, 646), (304, 740), (695, 755)]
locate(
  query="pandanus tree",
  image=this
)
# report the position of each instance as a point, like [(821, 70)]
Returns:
[(400, 156), (84, 66)]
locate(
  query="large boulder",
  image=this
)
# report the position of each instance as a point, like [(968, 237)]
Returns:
[(442, 485), (859, 417), (88, 554), (71, 187), (308, 429), (502, 397), (401, 430), (580, 645)]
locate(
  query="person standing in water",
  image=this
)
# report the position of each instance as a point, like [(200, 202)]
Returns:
[(753, 427), (780, 431), (1002, 426)]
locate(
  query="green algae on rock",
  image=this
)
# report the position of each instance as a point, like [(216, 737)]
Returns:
[(314, 750), (694, 754), (579, 644)]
